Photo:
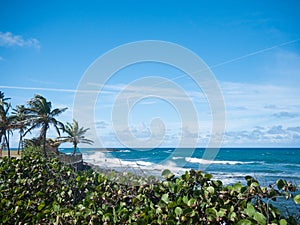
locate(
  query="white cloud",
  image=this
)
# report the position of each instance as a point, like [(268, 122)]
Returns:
[(276, 130), (271, 106), (253, 113), (249, 105), (285, 114), (101, 124), (138, 91), (8, 39), (295, 129), (257, 114), (277, 135)]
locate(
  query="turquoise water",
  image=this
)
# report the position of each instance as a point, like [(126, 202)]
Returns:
[(230, 164)]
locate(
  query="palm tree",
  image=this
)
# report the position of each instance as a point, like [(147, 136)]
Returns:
[(5, 121), (21, 120), (76, 135), (41, 116)]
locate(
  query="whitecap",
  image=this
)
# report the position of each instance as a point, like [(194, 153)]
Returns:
[(126, 150), (204, 161), (103, 161), (175, 158)]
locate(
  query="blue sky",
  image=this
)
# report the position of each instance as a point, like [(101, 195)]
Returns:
[(252, 47)]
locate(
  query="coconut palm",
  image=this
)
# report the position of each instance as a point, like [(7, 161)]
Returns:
[(3, 100), (42, 116), (20, 116), (6, 125), (75, 135)]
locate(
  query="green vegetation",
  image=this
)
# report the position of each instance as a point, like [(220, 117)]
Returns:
[(42, 115), (75, 135), (20, 118), (34, 190), (6, 125)]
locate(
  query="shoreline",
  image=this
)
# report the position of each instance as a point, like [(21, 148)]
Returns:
[(100, 162), (13, 153)]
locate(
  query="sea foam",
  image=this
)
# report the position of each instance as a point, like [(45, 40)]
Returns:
[(204, 161)]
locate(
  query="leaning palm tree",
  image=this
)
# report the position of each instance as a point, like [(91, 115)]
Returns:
[(20, 116), (42, 116), (5, 122), (75, 135)]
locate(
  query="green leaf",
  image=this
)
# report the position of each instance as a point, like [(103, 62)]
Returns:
[(237, 187), (172, 204), (249, 211), (70, 193), (170, 222), (193, 213), (185, 199), (55, 207), (41, 205), (244, 222), (208, 176), (167, 174), (260, 218), (179, 200), (211, 212), (283, 222), (280, 184), (255, 184), (232, 216), (222, 212), (178, 211), (211, 189), (186, 175), (248, 178), (191, 202), (158, 210), (297, 199), (165, 198)]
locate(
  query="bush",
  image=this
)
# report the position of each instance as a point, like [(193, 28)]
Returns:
[(36, 191)]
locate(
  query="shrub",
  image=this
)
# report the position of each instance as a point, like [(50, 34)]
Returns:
[(36, 191)]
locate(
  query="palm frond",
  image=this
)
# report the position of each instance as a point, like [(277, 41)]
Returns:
[(40, 112), (56, 112), (75, 134)]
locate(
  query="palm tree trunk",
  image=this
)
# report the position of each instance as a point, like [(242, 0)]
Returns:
[(44, 145), (1, 145), (19, 146), (7, 145), (22, 144), (75, 147)]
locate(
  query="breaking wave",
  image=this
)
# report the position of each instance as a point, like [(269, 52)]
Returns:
[(204, 161)]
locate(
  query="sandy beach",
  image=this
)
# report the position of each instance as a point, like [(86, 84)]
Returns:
[(13, 153)]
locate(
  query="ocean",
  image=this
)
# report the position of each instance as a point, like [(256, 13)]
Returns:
[(230, 164)]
